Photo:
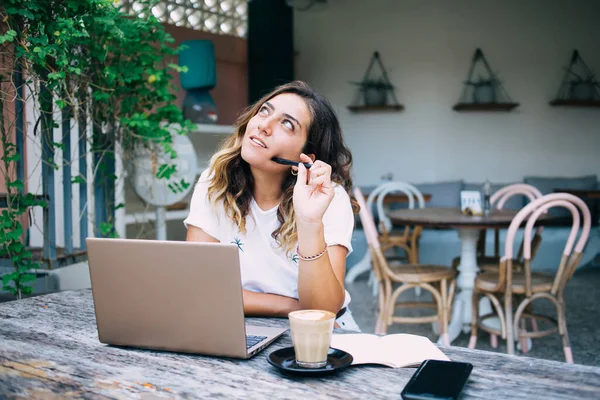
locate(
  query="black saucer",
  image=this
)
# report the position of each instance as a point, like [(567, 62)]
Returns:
[(285, 360)]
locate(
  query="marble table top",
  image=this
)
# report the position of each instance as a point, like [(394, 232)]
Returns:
[(49, 348)]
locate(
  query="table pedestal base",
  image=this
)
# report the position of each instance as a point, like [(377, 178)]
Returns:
[(462, 308)]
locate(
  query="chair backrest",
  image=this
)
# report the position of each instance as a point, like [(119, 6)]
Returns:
[(366, 220), (502, 195), (373, 195), (409, 190), (497, 201), (573, 247), (368, 224)]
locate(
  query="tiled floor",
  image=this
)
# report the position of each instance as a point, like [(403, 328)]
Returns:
[(582, 296)]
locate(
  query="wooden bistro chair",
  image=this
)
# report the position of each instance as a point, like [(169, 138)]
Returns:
[(525, 286), (408, 240), (365, 263), (490, 263), (436, 279), (497, 201)]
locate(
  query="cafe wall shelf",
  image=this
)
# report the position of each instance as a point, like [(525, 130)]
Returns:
[(383, 108), (484, 106), (485, 93), (579, 87)]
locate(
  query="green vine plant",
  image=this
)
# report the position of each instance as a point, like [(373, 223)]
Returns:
[(11, 228), (88, 63)]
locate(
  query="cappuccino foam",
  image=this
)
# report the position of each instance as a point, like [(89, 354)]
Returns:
[(312, 315)]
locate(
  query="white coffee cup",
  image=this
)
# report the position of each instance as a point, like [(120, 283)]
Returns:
[(311, 334)]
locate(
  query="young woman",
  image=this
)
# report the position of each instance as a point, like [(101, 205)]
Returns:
[(293, 225)]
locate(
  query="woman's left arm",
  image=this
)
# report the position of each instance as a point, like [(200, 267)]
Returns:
[(320, 281)]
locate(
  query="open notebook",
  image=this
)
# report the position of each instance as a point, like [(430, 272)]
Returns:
[(396, 351)]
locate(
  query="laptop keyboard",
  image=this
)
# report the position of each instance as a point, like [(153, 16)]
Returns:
[(252, 340)]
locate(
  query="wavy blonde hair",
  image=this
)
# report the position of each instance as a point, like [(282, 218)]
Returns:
[(232, 182)]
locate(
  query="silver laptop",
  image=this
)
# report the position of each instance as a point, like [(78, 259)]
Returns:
[(175, 296)]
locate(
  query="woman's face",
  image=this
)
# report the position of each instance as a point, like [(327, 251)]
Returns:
[(279, 129)]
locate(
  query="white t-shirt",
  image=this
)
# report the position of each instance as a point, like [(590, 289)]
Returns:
[(265, 267)]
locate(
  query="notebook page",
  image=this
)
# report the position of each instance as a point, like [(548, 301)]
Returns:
[(364, 348), (404, 350)]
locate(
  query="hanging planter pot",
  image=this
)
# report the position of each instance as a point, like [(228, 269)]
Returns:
[(581, 90), (484, 94), (375, 96)]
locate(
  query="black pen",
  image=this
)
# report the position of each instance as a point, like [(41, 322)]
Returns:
[(290, 162)]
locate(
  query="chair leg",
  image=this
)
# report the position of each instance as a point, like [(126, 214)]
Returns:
[(562, 324), (494, 341), (567, 346), (380, 326), (568, 355), (411, 253), (474, 320), (534, 324), (373, 283), (444, 310), (524, 347), (508, 312)]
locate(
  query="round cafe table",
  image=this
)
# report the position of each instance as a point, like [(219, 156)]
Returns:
[(468, 232)]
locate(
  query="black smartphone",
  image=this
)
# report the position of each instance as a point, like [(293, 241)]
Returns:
[(437, 380)]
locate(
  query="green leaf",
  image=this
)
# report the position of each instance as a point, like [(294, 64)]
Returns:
[(6, 278), (12, 158), (16, 184), (27, 290), (106, 228), (56, 75), (10, 289), (15, 234), (28, 277), (58, 145), (104, 20), (78, 179), (9, 36), (166, 170), (16, 247)]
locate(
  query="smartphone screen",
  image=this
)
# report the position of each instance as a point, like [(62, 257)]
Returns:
[(437, 380)]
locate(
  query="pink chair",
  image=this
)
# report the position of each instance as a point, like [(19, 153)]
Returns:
[(497, 201), (490, 263), (531, 286), (436, 279)]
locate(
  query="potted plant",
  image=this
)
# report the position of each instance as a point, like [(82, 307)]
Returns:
[(583, 88), (484, 90), (375, 91)]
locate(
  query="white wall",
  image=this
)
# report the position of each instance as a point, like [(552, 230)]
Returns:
[(427, 46)]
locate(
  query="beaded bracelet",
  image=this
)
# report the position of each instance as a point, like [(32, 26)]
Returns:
[(311, 258)]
